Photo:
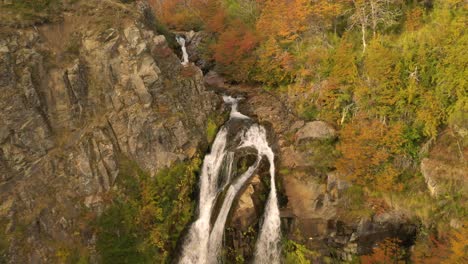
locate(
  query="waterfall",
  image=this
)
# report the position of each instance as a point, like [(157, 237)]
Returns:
[(204, 240), (181, 42)]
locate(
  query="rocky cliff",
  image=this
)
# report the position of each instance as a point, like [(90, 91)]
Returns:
[(76, 97)]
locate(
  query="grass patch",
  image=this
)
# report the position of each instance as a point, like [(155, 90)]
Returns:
[(211, 130), (354, 202), (30, 11), (212, 126)]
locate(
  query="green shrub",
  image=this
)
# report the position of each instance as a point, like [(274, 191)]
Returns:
[(321, 154), (211, 130), (295, 253), (148, 214)]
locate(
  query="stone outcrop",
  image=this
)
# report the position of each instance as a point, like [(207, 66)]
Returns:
[(437, 172), (445, 165), (67, 120), (315, 130)]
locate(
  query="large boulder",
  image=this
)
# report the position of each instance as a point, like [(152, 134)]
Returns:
[(437, 172), (315, 130), (446, 165)]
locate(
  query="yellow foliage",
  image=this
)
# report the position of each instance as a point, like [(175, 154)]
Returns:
[(458, 246)]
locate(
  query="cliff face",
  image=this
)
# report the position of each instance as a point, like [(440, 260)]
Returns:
[(75, 98)]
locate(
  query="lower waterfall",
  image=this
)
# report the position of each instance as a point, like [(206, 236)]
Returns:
[(203, 243)]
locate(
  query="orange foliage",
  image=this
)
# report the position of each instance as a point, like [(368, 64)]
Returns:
[(388, 251), (217, 22), (284, 19), (458, 246), (447, 248), (179, 14), (327, 11), (367, 148), (233, 48), (414, 19), (431, 252)]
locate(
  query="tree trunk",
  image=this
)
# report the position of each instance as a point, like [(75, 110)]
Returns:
[(363, 30), (374, 17)]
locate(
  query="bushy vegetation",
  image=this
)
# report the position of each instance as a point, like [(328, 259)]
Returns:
[(295, 253), (147, 214), (321, 155), (211, 130)]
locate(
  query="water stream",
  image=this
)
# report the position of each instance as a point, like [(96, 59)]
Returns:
[(181, 41), (203, 242)]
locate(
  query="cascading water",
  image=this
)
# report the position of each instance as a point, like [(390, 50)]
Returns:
[(204, 240), (181, 42)]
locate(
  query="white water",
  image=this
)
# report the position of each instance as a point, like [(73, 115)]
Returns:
[(234, 112), (181, 42), (195, 248), (203, 242), (267, 246)]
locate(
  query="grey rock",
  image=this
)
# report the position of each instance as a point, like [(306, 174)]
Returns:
[(316, 130)]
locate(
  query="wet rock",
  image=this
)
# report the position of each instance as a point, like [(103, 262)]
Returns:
[(245, 213), (213, 80), (194, 41)]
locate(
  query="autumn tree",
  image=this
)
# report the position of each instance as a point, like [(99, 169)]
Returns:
[(378, 93), (388, 251), (368, 148), (283, 20), (371, 14), (458, 246), (178, 14), (274, 65), (335, 95), (233, 51)]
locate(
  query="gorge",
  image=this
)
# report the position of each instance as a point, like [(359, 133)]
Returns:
[(204, 242), (233, 131)]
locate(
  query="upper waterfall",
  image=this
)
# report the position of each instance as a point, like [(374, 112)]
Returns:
[(181, 41)]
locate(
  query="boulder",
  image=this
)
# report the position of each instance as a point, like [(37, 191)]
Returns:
[(213, 80), (315, 130), (436, 172)]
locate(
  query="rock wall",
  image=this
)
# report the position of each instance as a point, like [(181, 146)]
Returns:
[(68, 115)]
